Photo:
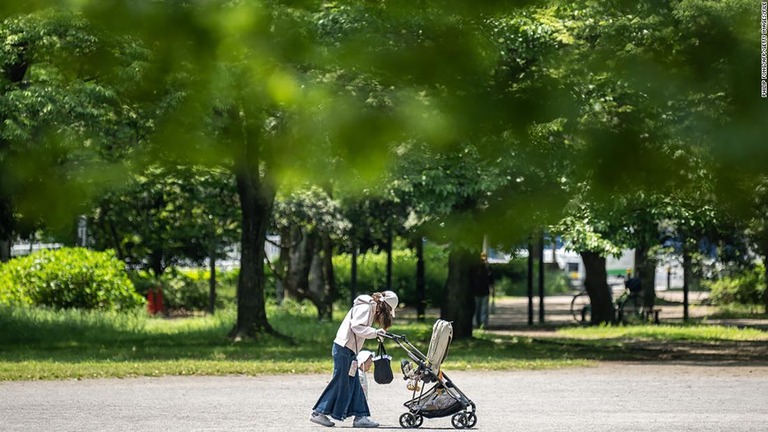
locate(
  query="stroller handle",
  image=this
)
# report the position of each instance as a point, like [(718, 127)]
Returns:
[(393, 336)]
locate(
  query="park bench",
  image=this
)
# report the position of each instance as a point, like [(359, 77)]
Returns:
[(652, 315)]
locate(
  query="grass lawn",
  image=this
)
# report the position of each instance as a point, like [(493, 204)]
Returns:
[(42, 344)]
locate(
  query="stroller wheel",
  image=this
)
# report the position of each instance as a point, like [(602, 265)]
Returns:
[(409, 420), (461, 420), (471, 420)]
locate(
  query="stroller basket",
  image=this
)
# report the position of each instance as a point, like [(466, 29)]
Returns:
[(436, 403)]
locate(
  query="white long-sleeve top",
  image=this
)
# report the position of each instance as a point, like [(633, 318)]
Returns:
[(356, 327)]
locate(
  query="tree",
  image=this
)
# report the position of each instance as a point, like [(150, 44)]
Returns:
[(585, 230), (759, 228), (66, 126), (166, 216), (649, 86), (309, 222), (450, 192), (484, 105), (255, 103)]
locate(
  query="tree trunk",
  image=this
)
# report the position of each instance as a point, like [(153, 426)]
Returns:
[(646, 271), (116, 241), (540, 253), (596, 284), (13, 71), (6, 227), (353, 275), (5, 250), (212, 277), (256, 199), (309, 273), (317, 285), (156, 263), (421, 289), (328, 292), (281, 266), (459, 303), (300, 253), (530, 283), (554, 253), (389, 257), (765, 293), (687, 263)]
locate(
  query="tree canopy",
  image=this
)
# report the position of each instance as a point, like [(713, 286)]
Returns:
[(608, 120)]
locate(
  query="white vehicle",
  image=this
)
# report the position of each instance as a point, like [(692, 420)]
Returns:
[(669, 272)]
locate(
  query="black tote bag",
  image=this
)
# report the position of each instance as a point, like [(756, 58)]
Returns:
[(382, 372)]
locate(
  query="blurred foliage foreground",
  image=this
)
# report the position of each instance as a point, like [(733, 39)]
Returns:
[(493, 108), (612, 124), (44, 344)]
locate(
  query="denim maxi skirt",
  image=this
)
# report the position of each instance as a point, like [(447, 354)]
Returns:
[(343, 397)]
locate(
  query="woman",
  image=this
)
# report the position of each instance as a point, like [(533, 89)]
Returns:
[(344, 397)]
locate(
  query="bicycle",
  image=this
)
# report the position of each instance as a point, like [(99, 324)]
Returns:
[(581, 308), (628, 308)]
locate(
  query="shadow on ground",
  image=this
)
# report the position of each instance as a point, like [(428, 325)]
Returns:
[(511, 319)]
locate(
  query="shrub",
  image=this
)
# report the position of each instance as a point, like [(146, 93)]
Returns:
[(182, 291), (10, 292), (188, 289), (226, 283), (68, 278), (746, 288)]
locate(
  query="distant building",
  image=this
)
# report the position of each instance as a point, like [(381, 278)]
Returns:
[(25, 248)]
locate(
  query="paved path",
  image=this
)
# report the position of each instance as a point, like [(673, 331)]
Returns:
[(609, 397), (669, 396), (512, 312)]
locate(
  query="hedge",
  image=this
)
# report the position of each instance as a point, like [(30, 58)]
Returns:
[(746, 288), (68, 278)]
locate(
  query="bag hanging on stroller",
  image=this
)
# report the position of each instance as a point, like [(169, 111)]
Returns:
[(382, 372)]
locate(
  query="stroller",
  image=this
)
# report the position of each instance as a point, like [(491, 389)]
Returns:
[(444, 398)]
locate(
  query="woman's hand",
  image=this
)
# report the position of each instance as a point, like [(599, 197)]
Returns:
[(381, 332)]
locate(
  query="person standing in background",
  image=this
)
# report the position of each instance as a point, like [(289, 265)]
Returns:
[(481, 288)]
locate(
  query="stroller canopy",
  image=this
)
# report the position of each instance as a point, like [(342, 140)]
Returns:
[(442, 334)]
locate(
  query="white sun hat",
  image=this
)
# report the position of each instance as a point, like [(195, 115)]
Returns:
[(363, 356), (391, 299)]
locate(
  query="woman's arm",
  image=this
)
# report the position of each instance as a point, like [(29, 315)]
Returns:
[(360, 319)]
